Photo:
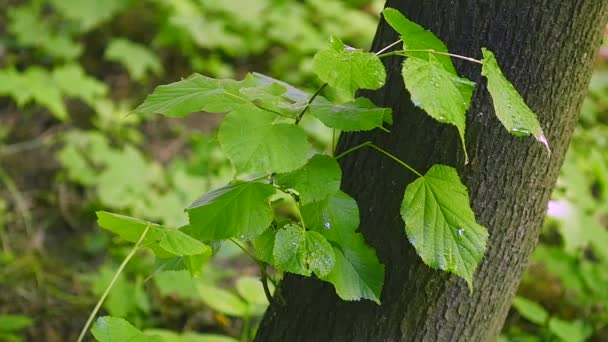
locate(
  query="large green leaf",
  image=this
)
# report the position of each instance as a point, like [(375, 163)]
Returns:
[(357, 272), (510, 107), (349, 69), (113, 329), (255, 143), (235, 210), (358, 115), (163, 241), (194, 94), (417, 38), (316, 180), (443, 95), (440, 224)]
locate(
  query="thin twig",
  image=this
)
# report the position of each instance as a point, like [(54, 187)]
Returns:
[(112, 282), (405, 53), (388, 47), (19, 201), (386, 153), (312, 98)]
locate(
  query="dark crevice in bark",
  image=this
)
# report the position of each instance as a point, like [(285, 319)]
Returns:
[(547, 49)]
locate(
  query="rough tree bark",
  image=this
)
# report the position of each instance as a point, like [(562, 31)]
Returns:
[(547, 49)]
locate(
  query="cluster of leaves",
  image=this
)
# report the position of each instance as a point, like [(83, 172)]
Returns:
[(292, 212)]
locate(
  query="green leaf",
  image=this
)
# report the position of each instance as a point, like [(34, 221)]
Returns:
[(163, 241), (222, 300), (357, 273), (316, 180), (577, 331), (531, 311), (440, 223), (137, 58), (10, 323), (443, 95), (320, 257), (292, 93), (263, 246), (235, 210), (194, 94), (113, 329), (302, 252), (417, 38), (254, 143), (89, 13), (510, 107), (270, 97), (358, 115), (336, 217), (178, 243), (74, 82), (171, 336), (250, 288), (349, 69), (289, 251)]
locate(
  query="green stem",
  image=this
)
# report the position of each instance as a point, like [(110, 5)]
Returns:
[(379, 53), (312, 98), (333, 142), (353, 149), (244, 250), (246, 335), (112, 282), (405, 52), (386, 153), (257, 105), (264, 279)]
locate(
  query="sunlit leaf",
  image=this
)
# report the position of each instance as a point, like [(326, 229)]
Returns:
[(509, 106), (349, 69), (440, 223), (235, 210)]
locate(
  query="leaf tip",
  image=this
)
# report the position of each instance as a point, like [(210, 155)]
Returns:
[(543, 140)]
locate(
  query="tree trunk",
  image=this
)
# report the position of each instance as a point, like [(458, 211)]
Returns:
[(547, 49)]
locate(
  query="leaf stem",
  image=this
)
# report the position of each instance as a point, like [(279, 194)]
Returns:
[(112, 282), (379, 149), (333, 142), (405, 52), (312, 98), (244, 250), (353, 149), (379, 53), (264, 279), (386, 153)]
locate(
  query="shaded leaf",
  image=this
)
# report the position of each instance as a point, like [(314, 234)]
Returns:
[(358, 115)]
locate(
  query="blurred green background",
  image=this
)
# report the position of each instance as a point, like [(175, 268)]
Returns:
[(70, 73)]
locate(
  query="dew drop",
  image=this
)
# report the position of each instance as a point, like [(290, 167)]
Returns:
[(460, 232), (327, 225)]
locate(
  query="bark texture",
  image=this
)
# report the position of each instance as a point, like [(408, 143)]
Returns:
[(547, 49)]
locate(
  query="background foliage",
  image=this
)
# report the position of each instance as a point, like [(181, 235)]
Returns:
[(70, 74)]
